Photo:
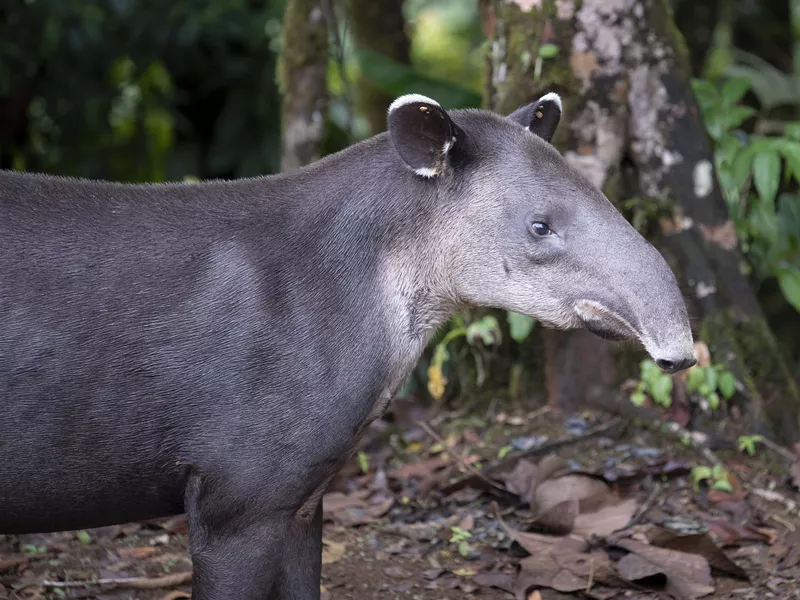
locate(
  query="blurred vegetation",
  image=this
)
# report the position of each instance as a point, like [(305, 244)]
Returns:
[(138, 90)]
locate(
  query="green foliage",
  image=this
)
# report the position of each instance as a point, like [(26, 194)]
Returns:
[(136, 91), (747, 443), (759, 176), (653, 382), (520, 326), (363, 461), (717, 476), (461, 539), (710, 383)]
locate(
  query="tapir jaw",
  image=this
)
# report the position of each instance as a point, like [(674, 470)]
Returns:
[(675, 355)]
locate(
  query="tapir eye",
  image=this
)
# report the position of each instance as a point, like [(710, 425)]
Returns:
[(541, 228)]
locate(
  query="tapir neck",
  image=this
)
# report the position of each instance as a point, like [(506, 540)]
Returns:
[(377, 228)]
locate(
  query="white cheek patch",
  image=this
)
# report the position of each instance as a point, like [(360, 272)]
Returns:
[(411, 99), (552, 97)]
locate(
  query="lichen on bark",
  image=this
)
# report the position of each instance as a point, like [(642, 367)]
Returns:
[(302, 77)]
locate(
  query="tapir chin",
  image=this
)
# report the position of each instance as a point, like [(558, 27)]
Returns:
[(216, 348)]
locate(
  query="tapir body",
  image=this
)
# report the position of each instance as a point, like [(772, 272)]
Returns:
[(216, 348)]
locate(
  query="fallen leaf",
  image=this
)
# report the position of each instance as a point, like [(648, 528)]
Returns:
[(590, 492), (568, 572), (418, 470), (332, 552), (559, 519), (698, 543), (688, 576), (137, 552), (175, 595), (607, 520), (496, 579), (396, 572), (537, 543), (521, 479)]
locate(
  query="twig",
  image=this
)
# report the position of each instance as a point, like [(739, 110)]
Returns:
[(788, 455), (648, 504), (512, 457), (466, 466), (137, 583)]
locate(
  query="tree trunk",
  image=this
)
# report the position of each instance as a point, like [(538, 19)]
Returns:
[(631, 125), (380, 27), (303, 82)]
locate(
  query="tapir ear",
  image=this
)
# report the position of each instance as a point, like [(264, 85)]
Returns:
[(422, 133), (541, 117)]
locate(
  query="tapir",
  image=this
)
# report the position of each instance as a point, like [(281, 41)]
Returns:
[(216, 348)]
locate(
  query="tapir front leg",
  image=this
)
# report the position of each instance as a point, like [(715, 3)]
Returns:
[(301, 559), (235, 553)]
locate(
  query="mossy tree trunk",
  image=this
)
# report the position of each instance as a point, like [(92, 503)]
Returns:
[(379, 27), (632, 126), (303, 82)]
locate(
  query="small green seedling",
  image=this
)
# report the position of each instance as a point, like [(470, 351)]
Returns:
[(461, 539), (747, 443), (717, 475)]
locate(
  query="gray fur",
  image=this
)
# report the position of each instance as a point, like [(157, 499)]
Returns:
[(218, 347)]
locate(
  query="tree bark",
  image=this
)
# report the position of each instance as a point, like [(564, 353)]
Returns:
[(632, 126), (303, 82), (380, 27)]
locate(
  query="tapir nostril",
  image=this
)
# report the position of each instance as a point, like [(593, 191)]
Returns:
[(673, 366)]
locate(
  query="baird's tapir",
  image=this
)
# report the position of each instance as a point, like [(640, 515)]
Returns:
[(218, 347)]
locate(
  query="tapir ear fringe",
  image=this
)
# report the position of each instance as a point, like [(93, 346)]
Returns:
[(422, 133)]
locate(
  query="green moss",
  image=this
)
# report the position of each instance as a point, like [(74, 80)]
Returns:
[(305, 41), (748, 347)]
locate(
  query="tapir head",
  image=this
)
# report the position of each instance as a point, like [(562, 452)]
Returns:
[(525, 232)]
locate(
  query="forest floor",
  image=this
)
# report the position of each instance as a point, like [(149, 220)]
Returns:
[(531, 506)]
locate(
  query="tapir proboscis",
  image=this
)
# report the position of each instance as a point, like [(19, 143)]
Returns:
[(216, 348)]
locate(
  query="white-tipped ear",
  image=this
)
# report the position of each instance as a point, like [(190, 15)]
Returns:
[(421, 132), (552, 97), (411, 99), (540, 117)]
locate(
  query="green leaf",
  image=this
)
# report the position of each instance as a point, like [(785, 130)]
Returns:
[(736, 115), (83, 537), (548, 50), (363, 461), (662, 391), (722, 485), (766, 174), (519, 326), (792, 131), (638, 398), (696, 378), (734, 89), (706, 93), (789, 280), (711, 379), (713, 400), (487, 330), (727, 385)]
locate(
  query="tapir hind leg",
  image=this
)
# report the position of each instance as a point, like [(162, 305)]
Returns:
[(234, 555), (301, 561)]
